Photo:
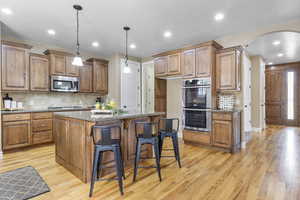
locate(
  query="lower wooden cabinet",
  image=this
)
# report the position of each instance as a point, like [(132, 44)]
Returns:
[(16, 134), (196, 137), (222, 131)]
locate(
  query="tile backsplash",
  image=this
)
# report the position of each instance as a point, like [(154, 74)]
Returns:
[(226, 101), (44, 100)]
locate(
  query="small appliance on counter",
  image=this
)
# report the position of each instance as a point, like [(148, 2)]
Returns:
[(9, 104)]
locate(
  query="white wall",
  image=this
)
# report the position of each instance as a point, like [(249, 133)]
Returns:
[(148, 86), (258, 93), (174, 101)]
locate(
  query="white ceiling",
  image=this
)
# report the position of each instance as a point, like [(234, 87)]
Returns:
[(289, 46), (191, 21)]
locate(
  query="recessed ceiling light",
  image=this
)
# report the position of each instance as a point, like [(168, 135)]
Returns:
[(270, 63), (95, 44), (276, 42), (51, 32), (280, 54), (132, 46), (6, 11), (167, 34), (219, 16)]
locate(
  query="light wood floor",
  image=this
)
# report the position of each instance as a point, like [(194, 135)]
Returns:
[(268, 169)]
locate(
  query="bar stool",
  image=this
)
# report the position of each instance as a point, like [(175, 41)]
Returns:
[(169, 131), (146, 136), (104, 144)]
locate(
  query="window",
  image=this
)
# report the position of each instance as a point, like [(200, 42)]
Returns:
[(290, 99)]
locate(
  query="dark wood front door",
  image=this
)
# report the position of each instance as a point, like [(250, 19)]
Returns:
[(282, 94)]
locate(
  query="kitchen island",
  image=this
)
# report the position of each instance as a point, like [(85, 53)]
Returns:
[(74, 143)]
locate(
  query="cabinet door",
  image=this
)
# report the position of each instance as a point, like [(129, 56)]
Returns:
[(57, 64), (76, 145), (16, 134), (61, 138), (161, 66), (226, 71), (222, 133), (39, 73), (15, 68), (188, 63), (203, 62), (86, 78), (100, 75), (174, 64), (71, 70)]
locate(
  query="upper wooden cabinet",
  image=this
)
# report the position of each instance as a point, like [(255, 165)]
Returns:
[(71, 70), (61, 63), (204, 61), (15, 66), (228, 69), (188, 63), (100, 75), (39, 72), (161, 66), (86, 77), (174, 64)]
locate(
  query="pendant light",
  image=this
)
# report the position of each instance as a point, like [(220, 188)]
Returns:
[(77, 61), (126, 68)]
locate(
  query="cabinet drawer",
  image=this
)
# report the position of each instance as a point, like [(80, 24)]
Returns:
[(42, 115), (197, 137), (222, 116), (41, 125), (16, 117), (41, 137)]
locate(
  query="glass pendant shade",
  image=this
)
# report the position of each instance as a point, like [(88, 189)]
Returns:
[(127, 70), (77, 61)]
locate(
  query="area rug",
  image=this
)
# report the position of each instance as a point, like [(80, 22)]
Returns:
[(22, 183)]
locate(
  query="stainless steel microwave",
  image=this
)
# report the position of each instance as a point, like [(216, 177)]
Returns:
[(64, 84)]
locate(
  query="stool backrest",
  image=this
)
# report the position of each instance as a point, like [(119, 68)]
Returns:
[(168, 124), (105, 135), (148, 129)]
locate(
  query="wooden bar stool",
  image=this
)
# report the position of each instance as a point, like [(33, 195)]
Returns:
[(106, 143), (169, 131), (146, 136)]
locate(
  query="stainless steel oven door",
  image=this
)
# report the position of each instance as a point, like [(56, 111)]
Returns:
[(197, 119), (64, 84)]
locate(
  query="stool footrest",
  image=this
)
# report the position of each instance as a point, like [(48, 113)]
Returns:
[(107, 179), (168, 156), (167, 149), (145, 158)]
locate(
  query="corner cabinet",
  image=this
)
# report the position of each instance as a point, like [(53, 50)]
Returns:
[(228, 64), (15, 66), (39, 72), (100, 75)]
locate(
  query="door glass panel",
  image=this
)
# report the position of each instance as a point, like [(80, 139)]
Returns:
[(290, 99)]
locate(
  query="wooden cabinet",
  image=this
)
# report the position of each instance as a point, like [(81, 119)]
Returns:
[(61, 135), (228, 69), (16, 134), (204, 61), (174, 66), (226, 131), (39, 72), (71, 70), (100, 75), (86, 78), (161, 66), (188, 63), (197, 137), (15, 66), (41, 127)]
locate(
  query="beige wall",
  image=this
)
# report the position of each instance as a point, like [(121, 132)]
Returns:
[(258, 92), (1, 154), (174, 101)]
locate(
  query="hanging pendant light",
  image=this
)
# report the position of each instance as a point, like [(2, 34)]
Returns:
[(126, 68), (77, 61)]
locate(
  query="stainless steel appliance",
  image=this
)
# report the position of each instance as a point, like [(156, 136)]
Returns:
[(197, 104), (64, 84)]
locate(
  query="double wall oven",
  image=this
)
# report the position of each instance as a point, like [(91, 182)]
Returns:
[(197, 104)]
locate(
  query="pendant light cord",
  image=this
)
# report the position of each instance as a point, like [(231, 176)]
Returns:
[(126, 49), (77, 34)]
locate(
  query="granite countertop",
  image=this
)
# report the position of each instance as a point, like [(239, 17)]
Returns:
[(88, 116), (33, 110)]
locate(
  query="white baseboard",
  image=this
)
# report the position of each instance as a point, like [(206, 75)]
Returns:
[(1, 155), (243, 145)]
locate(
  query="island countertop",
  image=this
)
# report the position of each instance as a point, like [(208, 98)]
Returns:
[(89, 116)]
